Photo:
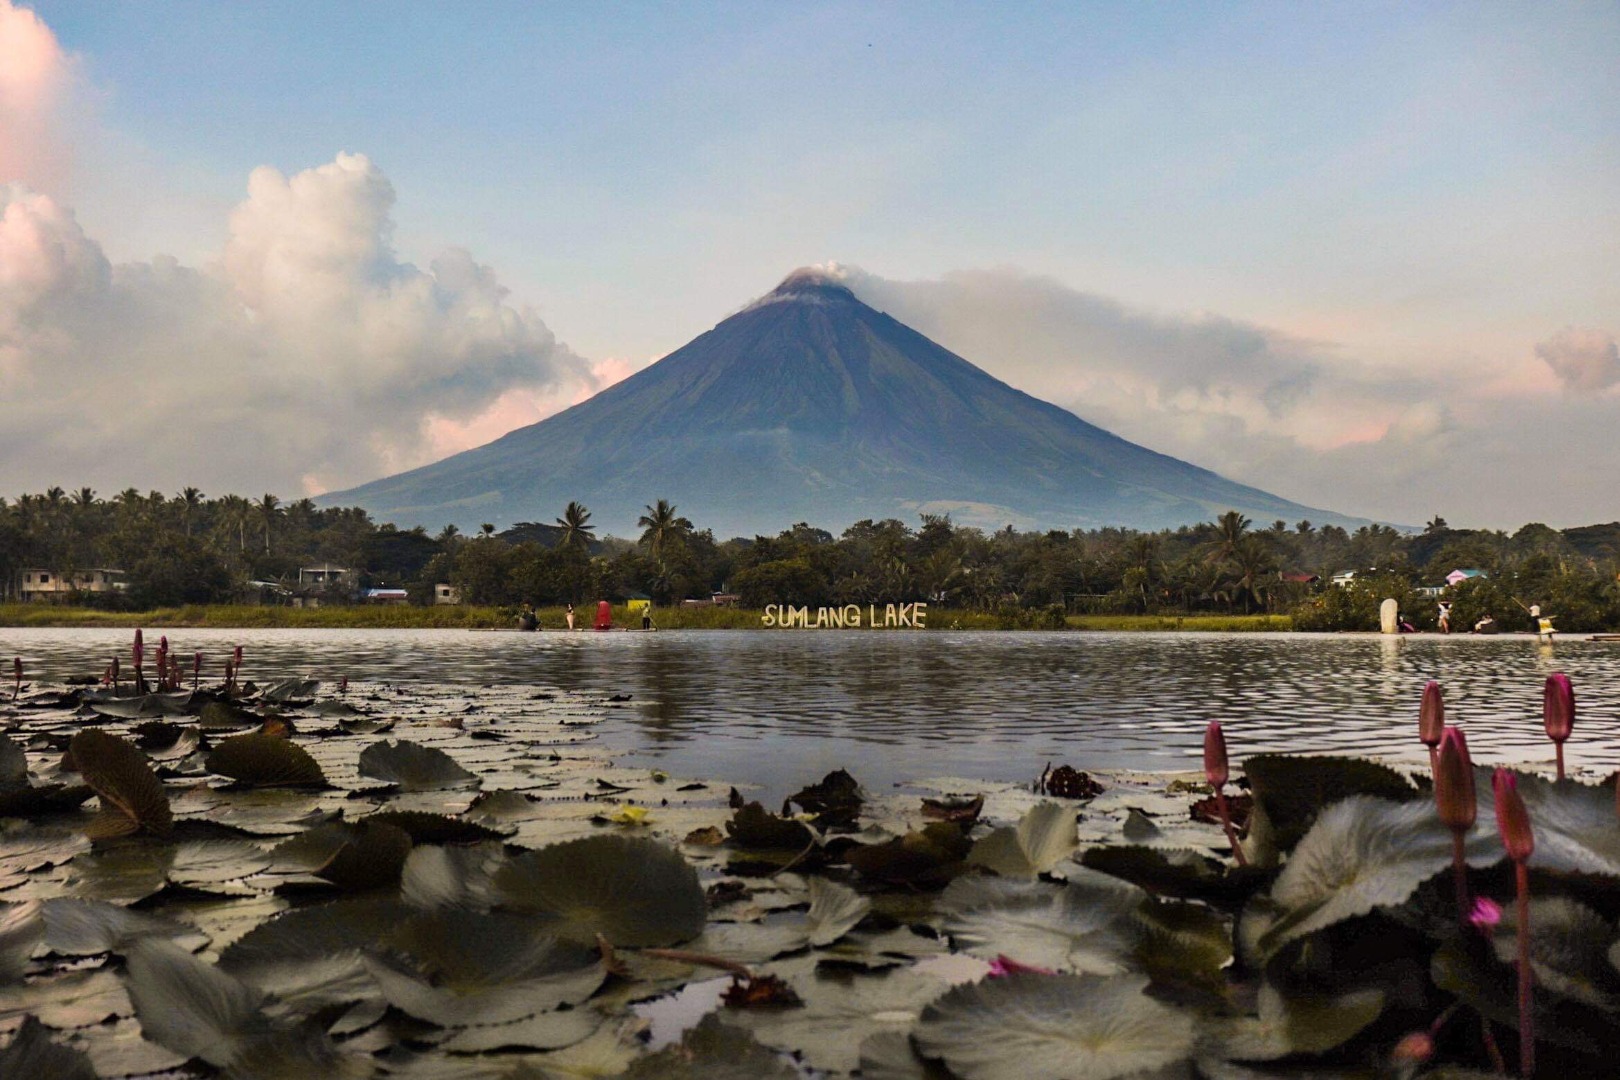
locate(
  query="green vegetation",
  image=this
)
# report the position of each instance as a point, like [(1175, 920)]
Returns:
[(1226, 574)]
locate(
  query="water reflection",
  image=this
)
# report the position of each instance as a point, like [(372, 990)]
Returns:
[(781, 708)]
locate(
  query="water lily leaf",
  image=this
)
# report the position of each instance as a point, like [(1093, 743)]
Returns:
[(1168, 871), (1290, 790), (413, 767), (754, 828), (547, 1031), (291, 690), (889, 1055), (271, 955), (13, 765), (1300, 1024), (1575, 824), (373, 858), (1054, 1027), (633, 892), (123, 873), (834, 911), (31, 1053), (224, 716), (1569, 949), (365, 725), (132, 797), (260, 760), (425, 828), (29, 802), (1182, 944), (927, 858), (961, 810), (713, 1050), (444, 877), (1043, 837), (127, 708), (90, 927), (189, 1006), (22, 930), (1363, 853), (1083, 926), (209, 864)]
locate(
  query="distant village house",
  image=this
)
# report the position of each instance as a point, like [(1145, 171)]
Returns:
[(446, 594), (35, 583)]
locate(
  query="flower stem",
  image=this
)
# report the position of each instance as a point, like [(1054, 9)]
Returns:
[(1459, 872), (1231, 833), (1527, 1040), (1560, 760)]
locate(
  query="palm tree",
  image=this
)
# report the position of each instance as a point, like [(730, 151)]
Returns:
[(487, 529), (448, 536), (190, 499), (235, 510), (1230, 528), (1253, 564), (266, 508), (660, 523), (575, 530)]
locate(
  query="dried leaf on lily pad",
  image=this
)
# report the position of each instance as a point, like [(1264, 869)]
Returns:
[(1299, 1024), (1054, 1027), (835, 801), (927, 858), (1363, 853), (462, 968), (1084, 926), (258, 759), (132, 797), (31, 1053), (713, 1050), (755, 828), (1044, 836), (834, 911), (413, 767), (22, 930), (1290, 790), (634, 892)]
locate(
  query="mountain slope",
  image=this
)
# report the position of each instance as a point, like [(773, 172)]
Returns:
[(811, 406)]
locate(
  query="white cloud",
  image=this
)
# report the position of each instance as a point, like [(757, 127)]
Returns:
[(34, 78), (1585, 360), (309, 355)]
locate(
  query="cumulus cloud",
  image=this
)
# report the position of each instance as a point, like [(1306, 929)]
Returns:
[(1586, 361), (1302, 418), (308, 356), (34, 78)]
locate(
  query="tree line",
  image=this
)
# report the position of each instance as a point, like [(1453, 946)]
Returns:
[(189, 548)]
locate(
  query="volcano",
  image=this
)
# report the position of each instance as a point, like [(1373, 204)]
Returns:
[(809, 405)]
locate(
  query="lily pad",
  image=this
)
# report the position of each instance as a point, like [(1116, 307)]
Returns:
[(713, 1050), (13, 765), (1084, 926), (1290, 790), (1300, 1023), (756, 829), (1570, 947), (22, 930), (1043, 837), (132, 797), (1054, 1027), (929, 857), (633, 892), (260, 760), (90, 927), (834, 911), (413, 767), (443, 877), (425, 828), (31, 1053)]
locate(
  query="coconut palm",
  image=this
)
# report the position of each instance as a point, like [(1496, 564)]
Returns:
[(659, 524), (576, 530), (267, 509), (1230, 529), (190, 500)]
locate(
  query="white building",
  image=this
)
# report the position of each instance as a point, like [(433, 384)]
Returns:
[(36, 583)]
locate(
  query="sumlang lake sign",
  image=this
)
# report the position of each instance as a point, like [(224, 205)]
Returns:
[(849, 617)]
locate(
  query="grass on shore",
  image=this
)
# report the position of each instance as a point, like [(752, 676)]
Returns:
[(468, 617)]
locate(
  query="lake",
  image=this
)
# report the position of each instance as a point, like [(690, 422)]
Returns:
[(781, 708)]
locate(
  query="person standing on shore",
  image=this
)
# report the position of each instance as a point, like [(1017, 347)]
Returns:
[(569, 614), (1445, 617)]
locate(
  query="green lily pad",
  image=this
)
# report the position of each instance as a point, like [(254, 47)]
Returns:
[(545, 1031), (633, 892), (1167, 871), (31, 1053), (31, 802), (90, 927), (1290, 790), (1083, 926), (890, 1055), (13, 765), (834, 911), (1043, 837), (22, 930), (442, 877), (425, 828), (413, 767), (132, 797), (259, 760), (1299, 1023), (1054, 1027), (927, 858), (713, 1050), (1570, 948)]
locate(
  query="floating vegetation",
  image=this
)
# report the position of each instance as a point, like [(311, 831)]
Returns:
[(265, 887)]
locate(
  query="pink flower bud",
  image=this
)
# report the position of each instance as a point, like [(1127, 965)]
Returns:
[(1414, 1049), (1512, 819), (1486, 915), (1558, 707), (1215, 766), (1431, 716), (1002, 966), (1454, 782)]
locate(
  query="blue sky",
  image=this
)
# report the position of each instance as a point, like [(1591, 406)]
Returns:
[(1407, 200)]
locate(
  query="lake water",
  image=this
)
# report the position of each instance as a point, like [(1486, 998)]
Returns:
[(781, 708)]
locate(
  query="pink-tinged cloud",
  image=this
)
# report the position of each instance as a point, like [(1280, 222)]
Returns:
[(34, 76), (518, 407), (1586, 361)]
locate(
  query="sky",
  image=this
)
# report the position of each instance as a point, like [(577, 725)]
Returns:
[(1365, 256)]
